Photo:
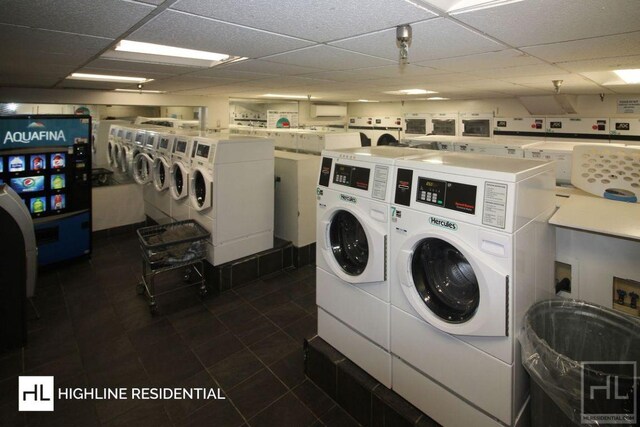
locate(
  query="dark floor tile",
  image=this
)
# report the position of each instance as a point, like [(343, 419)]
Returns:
[(316, 400), (237, 318), (203, 332), (49, 316), (190, 317), (257, 289), (146, 414), (226, 301), (270, 301), (270, 263), (46, 344), (11, 364), (169, 361), (304, 328), (286, 314), (389, 409), (255, 330), (235, 369), (290, 369), (274, 347), (215, 413), (11, 417), (78, 413), (287, 411), (121, 372), (218, 348), (134, 313), (307, 302), (64, 367), (102, 325), (96, 358), (244, 272), (8, 393), (145, 336), (256, 393), (302, 272), (337, 417), (298, 289), (178, 409)]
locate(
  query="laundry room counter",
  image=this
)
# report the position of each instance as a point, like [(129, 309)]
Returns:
[(597, 215), (117, 205)]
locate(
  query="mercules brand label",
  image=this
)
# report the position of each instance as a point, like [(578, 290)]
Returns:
[(28, 136), (349, 199), (443, 223)]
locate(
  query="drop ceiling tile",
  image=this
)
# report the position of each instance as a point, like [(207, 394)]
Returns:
[(488, 84), (342, 76), (266, 67), (138, 67), (533, 22), (483, 61), (180, 84), (24, 62), (320, 21), (545, 81), (227, 72), (193, 32), (432, 39), (626, 89), (37, 41), (398, 71), (106, 18), (327, 58), (594, 48), (527, 70), (27, 80), (617, 63), (82, 84)]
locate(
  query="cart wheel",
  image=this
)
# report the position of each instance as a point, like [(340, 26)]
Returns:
[(153, 308), (203, 292), (140, 289), (187, 275)]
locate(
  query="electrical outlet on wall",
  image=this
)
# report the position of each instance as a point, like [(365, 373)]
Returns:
[(566, 275)]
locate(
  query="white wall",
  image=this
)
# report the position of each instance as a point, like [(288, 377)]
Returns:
[(586, 106)]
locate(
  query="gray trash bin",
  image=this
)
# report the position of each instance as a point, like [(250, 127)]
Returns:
[(558, 337)]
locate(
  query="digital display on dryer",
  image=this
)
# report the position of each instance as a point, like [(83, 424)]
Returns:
[(180, 147), (203, 151), (164, 143), (351, 176), (449, 195)]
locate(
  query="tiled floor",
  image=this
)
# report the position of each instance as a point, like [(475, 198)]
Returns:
[(94, 331)]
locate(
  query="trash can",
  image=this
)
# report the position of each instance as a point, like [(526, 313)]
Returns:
[(583, 360)]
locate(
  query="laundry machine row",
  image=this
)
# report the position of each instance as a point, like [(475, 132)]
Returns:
[(427, 291)]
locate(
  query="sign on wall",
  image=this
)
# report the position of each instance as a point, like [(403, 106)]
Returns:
[(282, 119), (629, 106)]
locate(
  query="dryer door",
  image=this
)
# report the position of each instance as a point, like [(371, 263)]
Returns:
[(142, 168), (452, 288), (200, 189), (110, 153), (117, 148), (124, 160), (354, 245), (160, 173), (179, 181)]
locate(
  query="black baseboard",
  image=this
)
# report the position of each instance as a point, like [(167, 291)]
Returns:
[(359, 394)]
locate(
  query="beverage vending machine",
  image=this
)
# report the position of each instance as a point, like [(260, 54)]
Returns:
[(46, 159)]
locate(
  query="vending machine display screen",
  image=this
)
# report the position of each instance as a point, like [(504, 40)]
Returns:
[(37, 162), (38, 205), (1, 164), (27, 184), (58, 160), (58, 182), (58, 202), (17, 163)]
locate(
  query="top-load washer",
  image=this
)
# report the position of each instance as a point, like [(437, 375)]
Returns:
[(471, 251), (354, 190), (231, 193), (432, 142), (179, 177), (314, 142), (501, 147)]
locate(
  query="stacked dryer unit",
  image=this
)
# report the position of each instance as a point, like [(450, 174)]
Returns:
[(231, 195), (475, 125), (625, 131), (353, 219), (471, 251)]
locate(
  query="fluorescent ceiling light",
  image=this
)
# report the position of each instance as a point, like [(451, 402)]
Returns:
[(437, 98), (629, 76), (275, 95), (140, 90), (178, 52), (411, 92), (366, 100), (106, 78), (461, 6)]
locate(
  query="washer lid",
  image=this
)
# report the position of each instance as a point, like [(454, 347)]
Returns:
[(349, 243), (445, 280)]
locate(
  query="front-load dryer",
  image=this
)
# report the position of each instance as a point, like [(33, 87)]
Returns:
[(201, 178), (162, 162), (471, 251), (143, 156), (353, 193), (179, 177), (116, 153), (127, 151)]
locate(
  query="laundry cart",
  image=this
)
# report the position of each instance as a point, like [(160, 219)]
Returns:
[(168, 247)]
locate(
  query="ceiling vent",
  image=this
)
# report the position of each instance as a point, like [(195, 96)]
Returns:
[(549, 104)]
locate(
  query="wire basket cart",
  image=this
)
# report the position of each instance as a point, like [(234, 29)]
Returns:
[(181, 244)]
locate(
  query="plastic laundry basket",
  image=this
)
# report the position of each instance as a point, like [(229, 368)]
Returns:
[(558, 336)]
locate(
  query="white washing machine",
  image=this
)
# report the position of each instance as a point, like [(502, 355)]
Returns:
[(116, 148), (475, 125), (231, 194), (127, 148), (354, 190), (314, 142), (493, 147), (179, 177), (432, 142), (157, 197), (471, 250), (111, 141), (143, 156), (377, 130)]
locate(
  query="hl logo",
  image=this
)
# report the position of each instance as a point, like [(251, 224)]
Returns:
[(609, 392), (35, 393)]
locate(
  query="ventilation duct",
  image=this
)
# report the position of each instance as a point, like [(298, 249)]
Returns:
[(549, 104)]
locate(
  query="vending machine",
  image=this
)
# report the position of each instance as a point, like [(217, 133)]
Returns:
[(46, 159)]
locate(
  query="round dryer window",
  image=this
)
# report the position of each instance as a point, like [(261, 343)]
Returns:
[(445, 280), (349, 243), (178, 179), (200, 188)]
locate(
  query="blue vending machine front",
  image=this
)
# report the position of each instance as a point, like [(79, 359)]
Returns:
[(46, 159)]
